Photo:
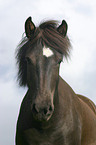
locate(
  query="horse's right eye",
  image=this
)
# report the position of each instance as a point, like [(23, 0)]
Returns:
[(28, 60)]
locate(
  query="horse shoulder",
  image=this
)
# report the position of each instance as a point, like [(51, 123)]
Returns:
[(88, 118), (88, 102), (85, 110), (69, 104)]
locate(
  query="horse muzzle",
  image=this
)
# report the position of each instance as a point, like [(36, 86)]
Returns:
[(42, 112)]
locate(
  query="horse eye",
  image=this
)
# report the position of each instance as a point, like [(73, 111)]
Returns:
[(28, 59), (59, 61)]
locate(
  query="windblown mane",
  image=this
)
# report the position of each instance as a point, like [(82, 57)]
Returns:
[(46, 34)]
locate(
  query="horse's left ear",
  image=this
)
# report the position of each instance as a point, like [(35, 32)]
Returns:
[(29, 27), (62, 29)]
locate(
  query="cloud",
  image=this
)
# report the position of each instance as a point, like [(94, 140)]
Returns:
[(10, 99)]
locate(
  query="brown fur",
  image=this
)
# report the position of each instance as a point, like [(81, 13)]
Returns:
[(88, 102)]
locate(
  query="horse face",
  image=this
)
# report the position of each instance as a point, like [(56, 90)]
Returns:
[(42, 76)]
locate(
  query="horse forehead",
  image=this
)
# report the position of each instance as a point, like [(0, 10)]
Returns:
[(47, 52)]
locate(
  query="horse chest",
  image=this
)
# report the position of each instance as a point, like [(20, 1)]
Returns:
[(34, 137)]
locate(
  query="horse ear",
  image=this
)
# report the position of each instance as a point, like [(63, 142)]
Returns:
[(62, 29), (29, 27)]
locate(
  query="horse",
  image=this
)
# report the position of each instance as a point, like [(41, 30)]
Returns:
[(51, 113)]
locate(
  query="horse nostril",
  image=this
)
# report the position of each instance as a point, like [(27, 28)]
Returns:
[(35, 109), (50, 108), (45, 111)]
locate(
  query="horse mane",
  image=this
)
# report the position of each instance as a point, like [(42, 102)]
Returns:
[(47, 35)]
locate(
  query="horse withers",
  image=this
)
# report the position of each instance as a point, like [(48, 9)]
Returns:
[(51, 113)]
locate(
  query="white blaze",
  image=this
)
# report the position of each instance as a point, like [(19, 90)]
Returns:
[(47, 52)]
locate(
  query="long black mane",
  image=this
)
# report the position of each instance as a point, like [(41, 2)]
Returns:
[(47, 35)]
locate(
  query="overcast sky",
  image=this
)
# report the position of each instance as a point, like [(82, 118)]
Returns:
[(79, 71)]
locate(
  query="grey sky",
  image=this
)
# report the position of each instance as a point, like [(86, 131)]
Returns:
[(79, 71)]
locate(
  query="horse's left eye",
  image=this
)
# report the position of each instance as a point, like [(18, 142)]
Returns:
[(28, 59), (59, 61)]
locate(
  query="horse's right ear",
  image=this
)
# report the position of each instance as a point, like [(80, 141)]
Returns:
[(29, 27)]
